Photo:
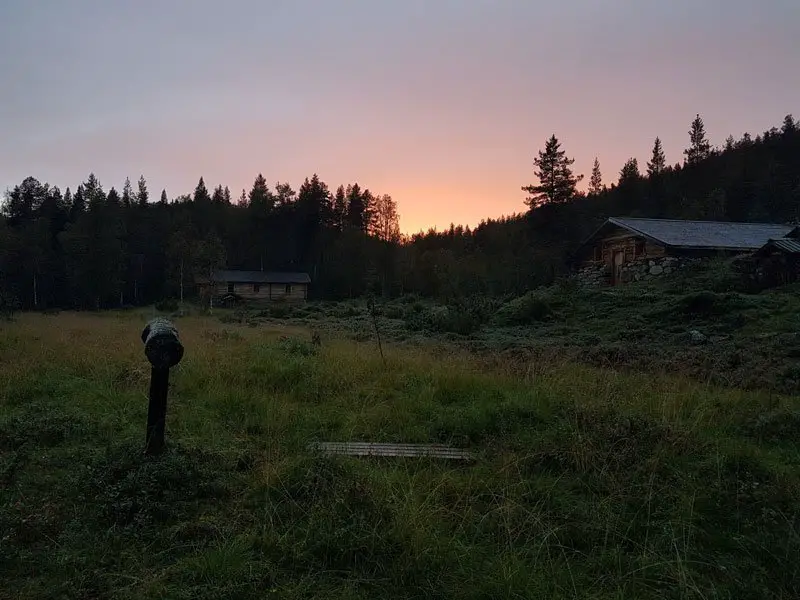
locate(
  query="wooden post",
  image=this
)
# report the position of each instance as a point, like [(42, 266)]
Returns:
[(164, 350)]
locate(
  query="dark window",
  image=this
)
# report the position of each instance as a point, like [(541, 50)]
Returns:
[(288, 288), (230, 288), (256, 287)]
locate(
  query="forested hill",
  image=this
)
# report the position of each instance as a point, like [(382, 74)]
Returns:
[(90, 248)]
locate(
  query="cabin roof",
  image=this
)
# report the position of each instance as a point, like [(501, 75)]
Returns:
[(698, 235), (229, 276), (787, 245)]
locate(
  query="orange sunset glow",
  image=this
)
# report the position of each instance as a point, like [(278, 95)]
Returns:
[(442, 105)]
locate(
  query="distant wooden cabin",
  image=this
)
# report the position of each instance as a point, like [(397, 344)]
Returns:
[(622, 241), (258, 285), (778, 261)]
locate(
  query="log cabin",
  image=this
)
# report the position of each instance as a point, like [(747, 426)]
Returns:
[(263, 286), (778, 261), (621, 242)]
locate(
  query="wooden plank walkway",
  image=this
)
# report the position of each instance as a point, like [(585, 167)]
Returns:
[(392, 450)]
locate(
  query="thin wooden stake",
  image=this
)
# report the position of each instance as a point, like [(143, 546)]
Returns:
[(371, 307)]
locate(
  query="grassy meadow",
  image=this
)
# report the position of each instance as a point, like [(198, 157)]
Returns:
[(588, 482)]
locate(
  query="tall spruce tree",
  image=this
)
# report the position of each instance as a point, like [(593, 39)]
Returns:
[(658, 162), (699, 148), (218, 197), (730, 143), (629, 172), (163, 200), (78, 204), (556, 179), (339, 208), (260, 197), (113, 199), (789, 125), (596, 180), (143, 195), (201, 193), (127, 193)]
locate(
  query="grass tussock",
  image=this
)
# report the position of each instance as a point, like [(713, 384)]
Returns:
[(588, 482)]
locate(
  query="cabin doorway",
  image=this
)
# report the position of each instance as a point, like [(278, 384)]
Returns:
[(616, 268)]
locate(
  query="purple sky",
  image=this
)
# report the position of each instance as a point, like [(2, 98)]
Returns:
[(441, 104)]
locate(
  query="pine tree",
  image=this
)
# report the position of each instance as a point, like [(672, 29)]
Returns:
[(629, 171), (127, 193), (78, 204), (218, 197), (284, 194), (67, 201), (163, 199), (386, 223), (556, 180), (658, 162), (313, 200), (242, 198), (700, 147), (789, 125), (113, 198), (355, 216), (201, 193), (261, 197), (596, 180), (226, 195), (143, 194), (93, 192), (730, 143), (339, 207)]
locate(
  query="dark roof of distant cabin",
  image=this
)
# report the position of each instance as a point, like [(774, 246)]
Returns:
[(787, 245), (699, 235), (228, 276)]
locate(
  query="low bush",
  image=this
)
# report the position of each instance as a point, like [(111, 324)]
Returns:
[(445, 319), (530, 308), (706, 303)]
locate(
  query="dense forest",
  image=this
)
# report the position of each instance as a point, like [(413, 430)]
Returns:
[(92, 248)]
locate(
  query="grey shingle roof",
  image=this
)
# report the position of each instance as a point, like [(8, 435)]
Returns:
[(228, 276), (788, 245), (704, 234)]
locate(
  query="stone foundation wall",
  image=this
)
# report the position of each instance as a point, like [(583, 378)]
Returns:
[(640, 269), (594, 275)]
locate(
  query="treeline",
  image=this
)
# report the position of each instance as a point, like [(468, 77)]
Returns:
[(94, 249), (97, 249), (749, 179)]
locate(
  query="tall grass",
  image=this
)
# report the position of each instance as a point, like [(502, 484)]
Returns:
[(589, 483)]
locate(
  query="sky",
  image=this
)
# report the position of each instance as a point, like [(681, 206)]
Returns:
[(442, 104)]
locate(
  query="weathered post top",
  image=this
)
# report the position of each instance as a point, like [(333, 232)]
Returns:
[(162, 346)]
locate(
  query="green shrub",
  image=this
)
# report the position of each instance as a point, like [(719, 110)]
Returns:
[(279, 310), (445, 319), (706, 303), (394, 312), (531, 308)]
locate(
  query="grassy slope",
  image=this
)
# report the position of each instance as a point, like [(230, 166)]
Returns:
[(589, 483), (751, 340)]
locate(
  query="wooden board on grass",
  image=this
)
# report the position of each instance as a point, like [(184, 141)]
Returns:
[(392, 450)]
